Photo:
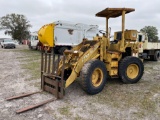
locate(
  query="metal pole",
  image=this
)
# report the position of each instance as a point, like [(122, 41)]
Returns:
[(107, 33), (42, 68), (122, 49)]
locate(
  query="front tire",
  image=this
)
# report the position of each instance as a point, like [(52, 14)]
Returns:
[(131, 69), (93, 76)]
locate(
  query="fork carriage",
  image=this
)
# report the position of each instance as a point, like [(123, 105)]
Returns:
[(51, 81)]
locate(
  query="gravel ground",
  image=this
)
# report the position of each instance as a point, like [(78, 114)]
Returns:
[(20, 72)]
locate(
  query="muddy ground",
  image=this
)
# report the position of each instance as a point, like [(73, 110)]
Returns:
[(20, 72)]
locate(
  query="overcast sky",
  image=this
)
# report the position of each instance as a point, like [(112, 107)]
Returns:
[(40, 12)]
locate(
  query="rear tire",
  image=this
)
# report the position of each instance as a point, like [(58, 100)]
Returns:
[(131, 69), (93, 76), (156, 56), (152, 57)]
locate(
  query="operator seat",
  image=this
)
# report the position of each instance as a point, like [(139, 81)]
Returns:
[(118, 37)]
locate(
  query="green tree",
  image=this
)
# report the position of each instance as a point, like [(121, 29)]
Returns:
[(15, 25), (152, 33)]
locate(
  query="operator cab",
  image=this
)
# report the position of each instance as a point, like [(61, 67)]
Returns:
[(120, 37)]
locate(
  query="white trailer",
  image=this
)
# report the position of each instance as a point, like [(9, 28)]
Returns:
[(64, 35), (148, 49)]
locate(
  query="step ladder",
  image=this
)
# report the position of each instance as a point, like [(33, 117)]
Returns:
[(112, 63)]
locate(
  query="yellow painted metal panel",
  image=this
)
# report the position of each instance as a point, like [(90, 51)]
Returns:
[(114, 72), (114, 64), (115, 56), (46, 35), (71, 78), (108, 66), (131, 35), (112, 68)]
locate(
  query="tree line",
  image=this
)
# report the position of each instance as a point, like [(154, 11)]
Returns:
[(15, 25)]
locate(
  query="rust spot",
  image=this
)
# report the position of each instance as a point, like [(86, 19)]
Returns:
[(70, 31)]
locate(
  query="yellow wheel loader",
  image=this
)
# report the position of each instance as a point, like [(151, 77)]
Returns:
[(93, 61)]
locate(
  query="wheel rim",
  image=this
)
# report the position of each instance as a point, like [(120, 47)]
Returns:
[(132, 71), (97, 77)]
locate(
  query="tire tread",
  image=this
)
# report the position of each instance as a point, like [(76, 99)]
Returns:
[(123, 66), (85, 72)]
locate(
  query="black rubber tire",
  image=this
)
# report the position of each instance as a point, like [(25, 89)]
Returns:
[(152, 57), (122, 69), (61, 50), (156, 56), (86, 76)]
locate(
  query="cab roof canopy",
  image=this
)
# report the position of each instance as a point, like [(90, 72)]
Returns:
[(113, 12)]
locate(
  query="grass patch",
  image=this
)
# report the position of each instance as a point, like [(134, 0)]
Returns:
[(51, 112), (148, 68), (78, 117), (138, 96), (37, 84), (65, 111), (147, 104), (30, 63), (25, 50), (32, 68)]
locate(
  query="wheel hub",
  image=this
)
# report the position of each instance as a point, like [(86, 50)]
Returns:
[(97, 77), (132, 71)]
